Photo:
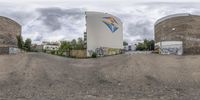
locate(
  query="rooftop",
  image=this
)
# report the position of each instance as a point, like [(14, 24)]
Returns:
[(171, 16)]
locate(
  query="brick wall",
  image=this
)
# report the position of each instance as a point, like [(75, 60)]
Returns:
[(4, 50), (9, 29), (182, 28)]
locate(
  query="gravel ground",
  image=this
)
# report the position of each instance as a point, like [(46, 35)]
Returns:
[(38, 76)]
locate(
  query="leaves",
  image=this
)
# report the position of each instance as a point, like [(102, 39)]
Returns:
[(125, 43), (66, 46), (20, 41), (146, 46), (27, 44), (24, 45)]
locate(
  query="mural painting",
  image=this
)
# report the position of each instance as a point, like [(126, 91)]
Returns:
[(170, 47), (111, 23), (104, 51)]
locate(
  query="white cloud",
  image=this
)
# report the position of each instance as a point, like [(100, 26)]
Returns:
[(64, 19)]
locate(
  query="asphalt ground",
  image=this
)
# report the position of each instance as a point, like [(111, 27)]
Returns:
[(39, 76)]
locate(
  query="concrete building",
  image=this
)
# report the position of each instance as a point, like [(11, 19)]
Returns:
[(50, 46), (104, 34), (179, 29), (9, 30), (131, 47)]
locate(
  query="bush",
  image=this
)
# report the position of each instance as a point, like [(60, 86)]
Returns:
[(53, 52), (44, 51), (146, 46), (94, 55)]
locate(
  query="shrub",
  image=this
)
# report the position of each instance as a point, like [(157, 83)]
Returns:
[(44, 51), (94, 55), (53, 52)]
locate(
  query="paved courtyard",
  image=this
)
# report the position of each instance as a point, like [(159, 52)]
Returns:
[(38, 76)]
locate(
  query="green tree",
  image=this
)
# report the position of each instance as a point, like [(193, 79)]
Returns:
[(80, 44), (64, 47), (140, 47), (20, 42), (73, 44), (146, 45), (152, 45), (27, 44), (125, 43)]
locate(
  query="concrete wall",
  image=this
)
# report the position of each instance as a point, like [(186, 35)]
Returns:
[(100, 34), (14, 50), (170, 47), (185, 28), (4, 50), (9, 29), (9, 50)]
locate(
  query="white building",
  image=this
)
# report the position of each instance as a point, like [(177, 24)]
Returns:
[(104, 32), (50, 46), (131, 47)]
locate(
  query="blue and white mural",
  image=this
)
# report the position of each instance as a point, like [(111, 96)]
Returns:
[(111, 23), (170, 47)]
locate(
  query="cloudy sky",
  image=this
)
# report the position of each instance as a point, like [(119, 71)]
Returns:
[(54, 20)]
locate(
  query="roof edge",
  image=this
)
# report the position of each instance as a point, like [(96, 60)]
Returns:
[(171, 16), (96, 12), (11, 20)]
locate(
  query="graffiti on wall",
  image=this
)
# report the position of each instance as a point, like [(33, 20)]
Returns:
[(175, 50), (100, 51), (170, 47), (90, 52), (103, 51)]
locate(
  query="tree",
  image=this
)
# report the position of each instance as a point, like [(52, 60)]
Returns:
[(140, 47), (80, 44), (27, 44), (125, 43), (152, 45), (73, 44), (20, 42), (146, 46), (64, 47)]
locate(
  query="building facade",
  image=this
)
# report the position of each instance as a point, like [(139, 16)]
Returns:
[(9, 30), (104, 34), (50, 46), (183, 28)]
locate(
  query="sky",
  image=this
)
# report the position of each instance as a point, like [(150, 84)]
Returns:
[(55, 20)]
